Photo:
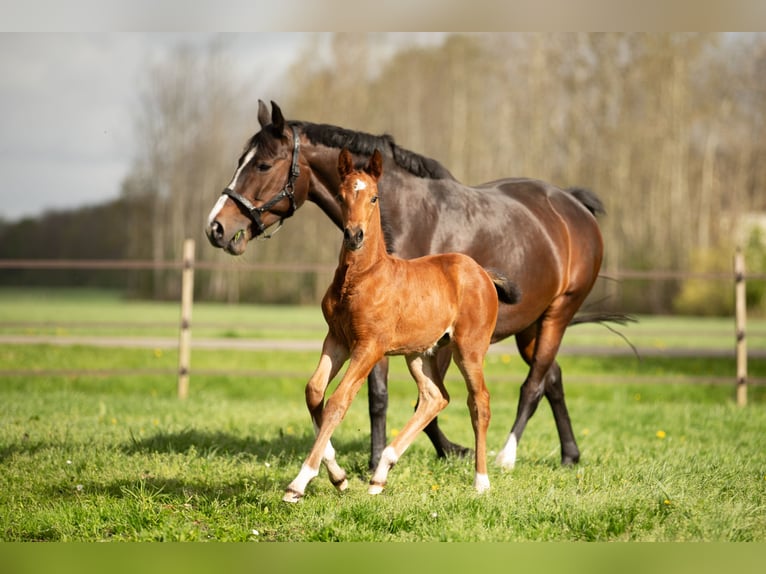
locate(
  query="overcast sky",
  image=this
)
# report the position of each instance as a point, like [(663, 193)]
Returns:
[(67, 103)]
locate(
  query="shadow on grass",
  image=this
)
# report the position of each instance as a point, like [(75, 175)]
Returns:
[(287, 447), (218, 443)]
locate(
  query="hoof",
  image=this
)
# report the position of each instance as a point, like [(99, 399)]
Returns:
[(570, 460), (505, 462), (481, 483), (341, 484), (292, 496), (456, 450), (375, 488)]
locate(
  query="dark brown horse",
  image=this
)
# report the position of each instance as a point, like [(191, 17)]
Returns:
[(544, 239), (379, 304)]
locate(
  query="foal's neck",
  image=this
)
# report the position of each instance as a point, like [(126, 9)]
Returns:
[(373, 252)]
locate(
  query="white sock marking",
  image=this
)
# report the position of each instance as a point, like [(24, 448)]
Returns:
[(507, 457), (481, 482)]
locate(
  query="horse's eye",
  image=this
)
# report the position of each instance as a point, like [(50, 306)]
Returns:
[(339, 198), (374, 199), (264, 167)]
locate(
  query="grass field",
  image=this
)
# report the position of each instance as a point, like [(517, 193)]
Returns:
[(89, 457)]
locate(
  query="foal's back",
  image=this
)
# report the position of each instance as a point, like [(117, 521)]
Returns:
[(412, 306)]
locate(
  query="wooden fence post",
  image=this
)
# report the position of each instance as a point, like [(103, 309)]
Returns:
[(740, 305), (187, 297)]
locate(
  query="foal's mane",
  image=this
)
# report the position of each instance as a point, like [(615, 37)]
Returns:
[(364, 144)]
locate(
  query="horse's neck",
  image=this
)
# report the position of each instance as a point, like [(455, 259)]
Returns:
[(325, 184)]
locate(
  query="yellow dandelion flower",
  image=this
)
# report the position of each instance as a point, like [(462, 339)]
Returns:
[(394, 432), (434, 487), (667, 502), (661, 434), (585, 432), (158, 353), (505, 358)]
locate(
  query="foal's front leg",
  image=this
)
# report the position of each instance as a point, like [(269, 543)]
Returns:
[(330, 417), (334, 354)]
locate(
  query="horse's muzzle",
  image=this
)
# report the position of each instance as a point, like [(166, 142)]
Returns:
[(353, 238), (234, 243)]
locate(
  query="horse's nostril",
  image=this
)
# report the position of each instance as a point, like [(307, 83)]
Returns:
[(216, 230), (360, 236)]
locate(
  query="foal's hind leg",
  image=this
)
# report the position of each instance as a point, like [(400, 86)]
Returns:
[(432, 398), (471, 366), (441, 443)]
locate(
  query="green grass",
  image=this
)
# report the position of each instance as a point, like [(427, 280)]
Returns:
[(116, 456), (120, 458)]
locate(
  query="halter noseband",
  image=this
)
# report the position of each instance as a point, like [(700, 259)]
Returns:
[(288, 191)]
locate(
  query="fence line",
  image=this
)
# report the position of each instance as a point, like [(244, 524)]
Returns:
[(188, 265), (148, 264)]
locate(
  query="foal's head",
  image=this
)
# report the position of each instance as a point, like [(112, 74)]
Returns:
[(358, 196)]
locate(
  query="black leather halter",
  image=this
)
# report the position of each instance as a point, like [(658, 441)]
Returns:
[(288, 191)]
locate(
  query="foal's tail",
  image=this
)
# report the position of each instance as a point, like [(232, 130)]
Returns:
[(507, 290)]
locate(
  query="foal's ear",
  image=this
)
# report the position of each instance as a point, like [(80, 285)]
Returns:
[(263, 114), (277, 118), (345, 163), (375, 165)]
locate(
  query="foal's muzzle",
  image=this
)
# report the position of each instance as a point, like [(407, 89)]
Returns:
[(353, 237)]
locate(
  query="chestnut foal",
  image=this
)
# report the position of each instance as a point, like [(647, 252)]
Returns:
[(382, 305)]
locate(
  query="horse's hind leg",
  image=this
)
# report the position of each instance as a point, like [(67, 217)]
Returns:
[(441, 443), (554, 392), (432, 398), (539, 345)]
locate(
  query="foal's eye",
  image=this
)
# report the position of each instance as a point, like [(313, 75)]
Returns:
[(339, 198), (264, 167), (374, 199)]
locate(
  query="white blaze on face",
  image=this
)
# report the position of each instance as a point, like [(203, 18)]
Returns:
[(359, 185), (221, 200), (243, 165)]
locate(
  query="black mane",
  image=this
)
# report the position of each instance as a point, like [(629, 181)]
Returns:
[(364, 144)]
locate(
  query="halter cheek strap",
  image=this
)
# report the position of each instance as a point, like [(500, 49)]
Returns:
[(288, 191)]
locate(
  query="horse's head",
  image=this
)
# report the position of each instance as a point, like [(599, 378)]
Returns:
[(267, 187), (358, 196)]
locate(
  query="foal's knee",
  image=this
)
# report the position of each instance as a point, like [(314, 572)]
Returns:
[(314, 397)]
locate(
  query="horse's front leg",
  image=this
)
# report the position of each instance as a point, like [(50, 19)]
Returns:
[(328, 418), (377, 399)]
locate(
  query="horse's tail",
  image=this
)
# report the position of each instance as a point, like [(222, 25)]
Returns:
[(507, 290), (604, 318), (589, 199)]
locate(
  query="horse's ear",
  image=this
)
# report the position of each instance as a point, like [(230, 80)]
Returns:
[(375, 165), (345, 163), (277, 118), (263, 114)]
